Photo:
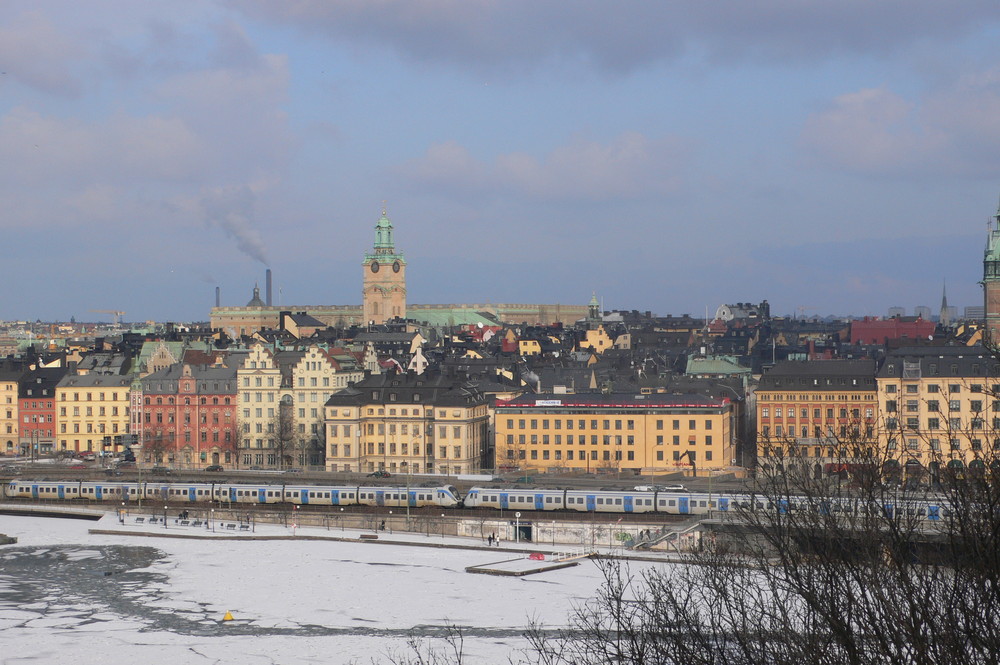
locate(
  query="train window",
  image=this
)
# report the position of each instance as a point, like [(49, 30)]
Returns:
[(618, 502)]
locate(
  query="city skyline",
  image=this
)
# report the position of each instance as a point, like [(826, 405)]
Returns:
[(669, 158)]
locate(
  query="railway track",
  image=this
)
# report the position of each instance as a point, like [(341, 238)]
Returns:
[(425, 512)]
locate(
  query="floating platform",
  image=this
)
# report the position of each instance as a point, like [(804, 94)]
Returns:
[(529, 565)]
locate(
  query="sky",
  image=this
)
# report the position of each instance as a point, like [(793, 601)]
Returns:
[(832, 158)]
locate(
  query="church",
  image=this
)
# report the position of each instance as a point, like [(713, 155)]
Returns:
[(383, 293)]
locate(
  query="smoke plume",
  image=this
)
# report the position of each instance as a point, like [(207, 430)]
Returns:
[(232, 210)]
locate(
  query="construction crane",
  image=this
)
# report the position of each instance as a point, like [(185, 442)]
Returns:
[(118, 314), (802, 310)]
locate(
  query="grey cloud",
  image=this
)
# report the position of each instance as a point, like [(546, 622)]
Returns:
[(35, 53), (629, 165), (624, 36), (950, 130)]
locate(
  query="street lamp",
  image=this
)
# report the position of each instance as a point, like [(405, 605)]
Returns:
[(212, 519), (137, 450), (517, 527), (442, 526), (164, 517), (390, 521), (341, 519)]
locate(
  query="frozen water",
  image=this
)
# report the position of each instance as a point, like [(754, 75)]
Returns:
[(70, 596)]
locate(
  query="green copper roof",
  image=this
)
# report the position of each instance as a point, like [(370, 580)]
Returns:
[(385, 248)]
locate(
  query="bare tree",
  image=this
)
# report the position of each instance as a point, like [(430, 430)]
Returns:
[(865, 572)]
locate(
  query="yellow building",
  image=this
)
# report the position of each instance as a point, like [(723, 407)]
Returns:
[(407, 423), (597, 339), (814, 413), (940, 408), (616, 432), (8, 411), (92, 412)]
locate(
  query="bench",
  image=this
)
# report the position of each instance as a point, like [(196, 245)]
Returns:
[(153, 520), (368, 536), (231, 527), (140, 520), (244, 527), (196, 523)]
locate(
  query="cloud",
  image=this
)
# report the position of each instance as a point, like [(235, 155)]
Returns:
[(629, 165), (488, 33), (37, 54), (45, 148), (949, 130)]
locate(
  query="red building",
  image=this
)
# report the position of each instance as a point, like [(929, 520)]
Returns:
[(189, 416), (881, 331), (36, 397)]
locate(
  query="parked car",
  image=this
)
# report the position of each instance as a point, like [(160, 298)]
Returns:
[(214, 467), (10, 468), (379, 474), (161, 471), (89, 458)]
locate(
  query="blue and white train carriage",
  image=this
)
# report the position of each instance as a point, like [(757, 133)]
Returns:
[(596, 501)]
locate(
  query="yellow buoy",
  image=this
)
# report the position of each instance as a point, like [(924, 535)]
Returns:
[(228, 617)]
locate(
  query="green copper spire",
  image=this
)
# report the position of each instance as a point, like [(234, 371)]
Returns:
[(383, 235), (384, 250)]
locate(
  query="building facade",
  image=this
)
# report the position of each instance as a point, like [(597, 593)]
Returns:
[(814, 413), (651, 433), (189, 416), (407, 423), (281, 400), (36, 409), (9, 429), (92, 412), (941, 407)]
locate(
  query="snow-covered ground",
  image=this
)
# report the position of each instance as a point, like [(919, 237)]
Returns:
[(70, 596)]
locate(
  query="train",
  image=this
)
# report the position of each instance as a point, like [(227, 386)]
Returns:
[(447, 496), (129, 492)]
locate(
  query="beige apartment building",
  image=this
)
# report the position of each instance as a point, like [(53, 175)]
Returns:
[(940, 408), (407, 423), (9, 411), (281, 398)]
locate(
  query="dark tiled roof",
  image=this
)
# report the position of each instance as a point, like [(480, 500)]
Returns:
[(820, 375)]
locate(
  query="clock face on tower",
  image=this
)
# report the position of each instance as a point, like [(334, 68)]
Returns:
[(395, 266), (375, 266)]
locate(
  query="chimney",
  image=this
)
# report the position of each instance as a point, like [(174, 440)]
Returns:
[(218, 296), (267, 279)]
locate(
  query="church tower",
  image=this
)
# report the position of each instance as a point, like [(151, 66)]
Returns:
[(384, 284), (991, 281)]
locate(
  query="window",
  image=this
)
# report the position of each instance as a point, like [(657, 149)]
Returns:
[(890, 388), (954, 405)]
